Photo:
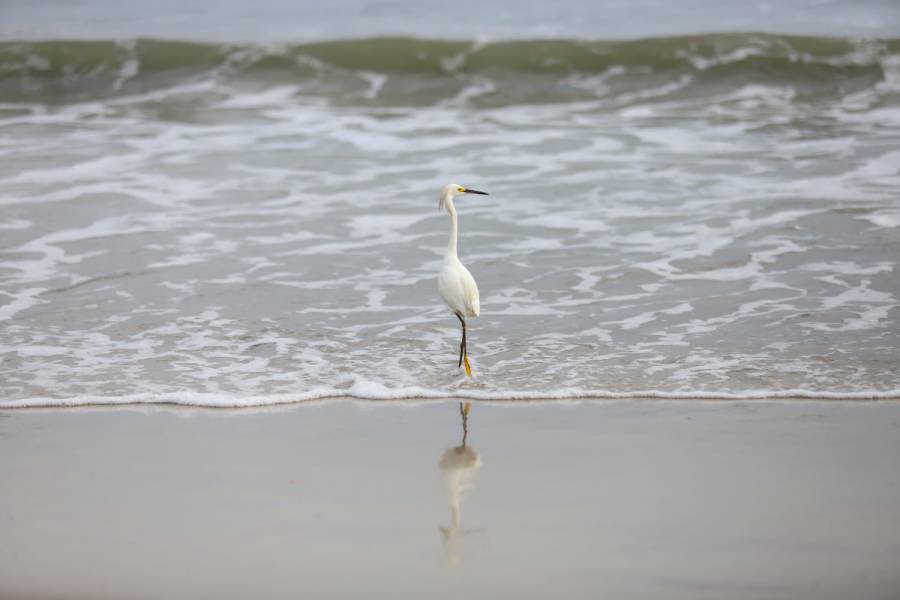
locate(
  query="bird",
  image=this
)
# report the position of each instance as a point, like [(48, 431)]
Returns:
[(456, 285)]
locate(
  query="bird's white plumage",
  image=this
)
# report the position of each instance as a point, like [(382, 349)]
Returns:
[(458, 288), (455, 284)]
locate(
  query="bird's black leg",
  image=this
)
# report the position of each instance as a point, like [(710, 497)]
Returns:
[(465, 346), (462, 344), (465, 349)]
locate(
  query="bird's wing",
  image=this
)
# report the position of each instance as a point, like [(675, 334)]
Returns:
[(472, 300), (458, 289)]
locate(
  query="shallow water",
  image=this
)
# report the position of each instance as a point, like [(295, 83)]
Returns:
[(233, 224)]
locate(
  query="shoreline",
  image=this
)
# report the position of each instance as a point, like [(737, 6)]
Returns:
[(230, 401)]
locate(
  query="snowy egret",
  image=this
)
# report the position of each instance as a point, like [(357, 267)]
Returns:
[(455, 284)]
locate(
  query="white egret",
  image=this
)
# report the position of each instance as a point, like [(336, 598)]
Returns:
[(455, 284)]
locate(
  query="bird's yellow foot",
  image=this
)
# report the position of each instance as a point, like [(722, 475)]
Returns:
[(468, 366), (467, 408)]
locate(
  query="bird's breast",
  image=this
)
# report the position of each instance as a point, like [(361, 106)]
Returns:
[(458, 289)]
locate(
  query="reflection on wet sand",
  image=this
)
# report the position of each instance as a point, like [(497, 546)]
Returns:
[(459, 466)]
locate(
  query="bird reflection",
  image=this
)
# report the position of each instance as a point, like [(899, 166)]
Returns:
[(459, 466)]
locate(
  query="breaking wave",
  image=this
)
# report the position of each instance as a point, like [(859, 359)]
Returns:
[(410, 71)]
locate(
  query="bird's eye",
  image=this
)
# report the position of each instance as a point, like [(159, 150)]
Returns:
[(461, 189)]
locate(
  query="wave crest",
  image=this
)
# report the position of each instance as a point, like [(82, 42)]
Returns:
[(422, 71)]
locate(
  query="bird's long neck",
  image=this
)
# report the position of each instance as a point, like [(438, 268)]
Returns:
[(454, 229)]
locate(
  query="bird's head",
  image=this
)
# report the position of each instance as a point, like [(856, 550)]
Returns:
[(450, 191)]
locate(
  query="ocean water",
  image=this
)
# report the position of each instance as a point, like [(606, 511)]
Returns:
[(228, 221)]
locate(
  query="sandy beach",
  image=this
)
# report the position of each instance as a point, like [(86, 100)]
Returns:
[(349, 499)]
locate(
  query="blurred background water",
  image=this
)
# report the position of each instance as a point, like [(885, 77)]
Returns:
[(236, 203), (305, 20)]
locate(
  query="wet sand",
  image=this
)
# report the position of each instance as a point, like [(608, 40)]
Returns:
[(343, 499)]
